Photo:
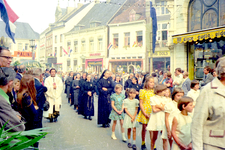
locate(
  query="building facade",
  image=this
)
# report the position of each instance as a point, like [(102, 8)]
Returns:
[(198, 38), (21, 50)]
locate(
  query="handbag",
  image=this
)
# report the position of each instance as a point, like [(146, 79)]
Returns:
[(46, 106)]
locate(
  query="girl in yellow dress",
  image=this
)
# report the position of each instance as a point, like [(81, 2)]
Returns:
[(144, 97)]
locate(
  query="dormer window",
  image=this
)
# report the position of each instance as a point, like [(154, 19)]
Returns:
[(132, 15), (95, 24)]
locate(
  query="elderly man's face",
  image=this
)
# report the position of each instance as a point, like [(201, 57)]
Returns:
[(5, 58)]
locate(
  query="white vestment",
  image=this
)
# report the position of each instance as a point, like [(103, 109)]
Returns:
[(53, 96)]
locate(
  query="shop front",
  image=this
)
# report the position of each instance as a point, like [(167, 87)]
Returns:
[(94, 65), (126, 65), (205, 40), (161, 60)]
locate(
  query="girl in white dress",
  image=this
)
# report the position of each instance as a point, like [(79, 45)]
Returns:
[(131, 108), (181, 126), (194, 93), (170, 111), (156, 121)]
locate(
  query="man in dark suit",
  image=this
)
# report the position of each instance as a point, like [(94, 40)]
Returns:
[(40, 97), (186, 85), (7, 114), (21, 72), (208, 77)]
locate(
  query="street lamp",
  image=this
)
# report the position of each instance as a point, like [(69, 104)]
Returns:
[(32, 45)]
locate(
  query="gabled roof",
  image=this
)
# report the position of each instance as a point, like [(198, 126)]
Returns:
[(75, 12), (101, 12), (135, 6), (23, 31)]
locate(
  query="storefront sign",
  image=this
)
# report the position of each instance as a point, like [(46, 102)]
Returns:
[(199, 36), (161, 54), (22, 54), (95, 54), (94, 63)]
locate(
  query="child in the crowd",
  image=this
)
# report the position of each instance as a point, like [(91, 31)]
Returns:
[(117, 110), (170, 111), (194, 93), (134, 84), (156, 121), (16, 87), (144, 97), (131, 107), (181, 126)]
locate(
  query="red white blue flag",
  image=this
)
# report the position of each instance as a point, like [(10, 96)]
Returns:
[(9, 17), (110, 45)]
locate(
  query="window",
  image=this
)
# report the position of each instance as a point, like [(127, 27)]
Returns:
[(115, 40), (75, 46), (100, 46), (123, 57), (20, 46), (56, 39), (61, 37), (113, 57), (206, 14), (139, 38), (61, 51), (68, 63), (132, 15), (92, 25), (127, 39), (161, 8), (75, 63), (26, 46), (91, 46), (68, 46), (55, 53), (83, 45), (162, 35)]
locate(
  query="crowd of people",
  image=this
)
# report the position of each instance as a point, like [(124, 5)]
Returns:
[(173, 108)]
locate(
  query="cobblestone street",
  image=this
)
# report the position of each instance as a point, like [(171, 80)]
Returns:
[(72, 132)]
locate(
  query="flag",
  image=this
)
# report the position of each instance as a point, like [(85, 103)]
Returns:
[(135, 44), (154, 26), (65, 51), (35, 45), (70, 51), (110, 45), (9, 17)]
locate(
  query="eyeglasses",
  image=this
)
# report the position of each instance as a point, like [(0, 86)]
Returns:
[(7, 57)]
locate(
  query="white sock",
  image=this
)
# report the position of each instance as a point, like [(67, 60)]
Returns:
[(129, 140), (134, 142)]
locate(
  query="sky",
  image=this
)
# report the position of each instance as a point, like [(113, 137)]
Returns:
[(38, 13)]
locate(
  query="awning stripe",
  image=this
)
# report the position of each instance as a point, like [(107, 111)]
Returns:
[(199, 36)]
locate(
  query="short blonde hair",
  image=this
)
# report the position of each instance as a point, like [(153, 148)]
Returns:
[(118, 86)]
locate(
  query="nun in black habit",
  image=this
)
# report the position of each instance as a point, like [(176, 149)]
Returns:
[(105, 88), (68, 82), (89, 90), (81, 92), (72, 89)]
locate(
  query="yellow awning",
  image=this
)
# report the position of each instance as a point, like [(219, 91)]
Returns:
[(199, 35)]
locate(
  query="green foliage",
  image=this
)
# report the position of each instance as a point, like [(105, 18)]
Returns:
[(19, 140), (16, 63)]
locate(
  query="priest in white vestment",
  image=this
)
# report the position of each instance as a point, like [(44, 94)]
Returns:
[(53, 95)]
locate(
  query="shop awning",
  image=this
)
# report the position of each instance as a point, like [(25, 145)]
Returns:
[(199, 35)]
